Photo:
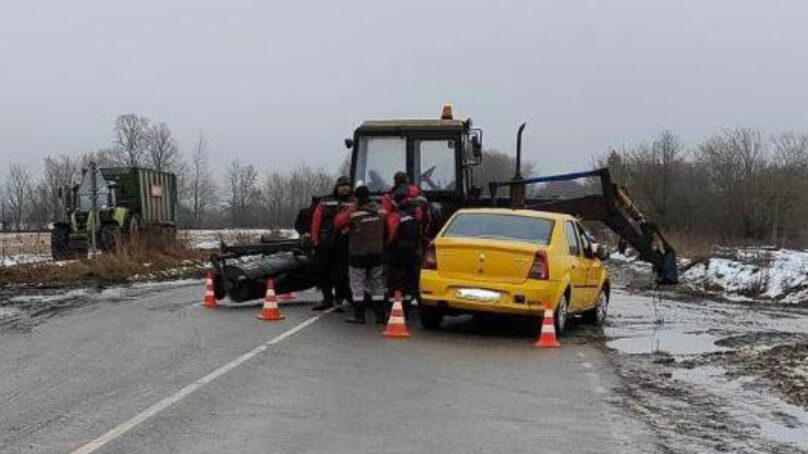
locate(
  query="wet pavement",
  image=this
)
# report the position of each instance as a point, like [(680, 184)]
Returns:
[(713, 376)]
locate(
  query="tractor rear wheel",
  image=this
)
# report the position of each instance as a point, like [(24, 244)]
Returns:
[(60, 242)]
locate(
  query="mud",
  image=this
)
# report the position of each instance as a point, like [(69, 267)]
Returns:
[(711, 374)]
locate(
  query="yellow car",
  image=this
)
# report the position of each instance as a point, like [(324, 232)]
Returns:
[(497, 260)]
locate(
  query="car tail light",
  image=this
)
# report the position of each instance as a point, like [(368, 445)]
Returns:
[(540, 268), (430, 261)]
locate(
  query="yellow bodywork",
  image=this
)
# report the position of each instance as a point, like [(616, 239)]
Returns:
[(498, 269)]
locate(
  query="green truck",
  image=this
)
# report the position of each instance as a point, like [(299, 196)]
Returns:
[(110, 203)]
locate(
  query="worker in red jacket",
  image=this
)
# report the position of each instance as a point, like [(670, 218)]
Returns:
[(404, 250), (402, 186), (330, 246)]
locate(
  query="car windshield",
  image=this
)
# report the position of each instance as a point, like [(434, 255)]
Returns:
[(508, 227), (378, 159)]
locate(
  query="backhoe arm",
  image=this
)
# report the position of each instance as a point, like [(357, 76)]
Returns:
[(614, 208)]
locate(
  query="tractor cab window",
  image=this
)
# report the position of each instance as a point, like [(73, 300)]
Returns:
[(378, 159), (435, 164), (85, 193)]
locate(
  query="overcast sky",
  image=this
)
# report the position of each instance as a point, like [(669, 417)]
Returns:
[(279, 83)]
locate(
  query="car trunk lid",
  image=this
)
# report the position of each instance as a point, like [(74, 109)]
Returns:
[(494, 261)]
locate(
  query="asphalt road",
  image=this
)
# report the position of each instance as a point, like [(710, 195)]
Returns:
[(159, 373)]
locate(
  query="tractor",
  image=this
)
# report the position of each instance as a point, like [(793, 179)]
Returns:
[(110, 203), (439, 155)]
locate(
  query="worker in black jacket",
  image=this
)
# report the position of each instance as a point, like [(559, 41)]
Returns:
[(330, 246)]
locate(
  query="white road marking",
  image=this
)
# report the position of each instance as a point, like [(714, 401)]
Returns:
[(116, 432)]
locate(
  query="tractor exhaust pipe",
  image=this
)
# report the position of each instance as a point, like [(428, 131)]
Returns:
[(518, 185), (518, 174)]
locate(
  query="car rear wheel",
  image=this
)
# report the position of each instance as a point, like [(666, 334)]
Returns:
[(561, 315), (430, 317), (597, 316)]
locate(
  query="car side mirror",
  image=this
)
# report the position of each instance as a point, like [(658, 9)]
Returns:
[(602, 252), (349, 143)]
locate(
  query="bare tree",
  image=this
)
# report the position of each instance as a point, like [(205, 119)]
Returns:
[(5, 222), (60, 173), (162, 148), (786, 187), (733, 160), (201, 187), (284, 194), (131, 139), (498, 166), (18, 191), (242, 192)]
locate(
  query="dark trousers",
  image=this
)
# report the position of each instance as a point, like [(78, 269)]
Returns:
[(403, 271), (332, 274)]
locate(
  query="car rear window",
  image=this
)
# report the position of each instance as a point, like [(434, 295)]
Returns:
[(500, 227)]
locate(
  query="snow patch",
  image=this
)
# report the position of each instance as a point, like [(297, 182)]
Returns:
[(212, 239), (23, 259), (780, 275)]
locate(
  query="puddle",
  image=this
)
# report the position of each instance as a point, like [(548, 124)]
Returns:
[(669, 340), (777, 420)]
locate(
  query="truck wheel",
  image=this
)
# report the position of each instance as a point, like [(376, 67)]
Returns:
[(430, 317), (107, 237), (60, 242)]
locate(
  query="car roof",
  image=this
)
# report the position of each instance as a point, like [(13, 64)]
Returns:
[(526, 213)]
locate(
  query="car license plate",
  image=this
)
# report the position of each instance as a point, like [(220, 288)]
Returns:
[(478, 294)]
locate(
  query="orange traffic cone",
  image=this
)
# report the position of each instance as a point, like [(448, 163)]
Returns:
[(547, 338), (210, 297), (270, 311), (396, 324)]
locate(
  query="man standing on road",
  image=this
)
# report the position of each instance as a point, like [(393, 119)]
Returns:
[(331, 246), (366, 224), (404, 252)]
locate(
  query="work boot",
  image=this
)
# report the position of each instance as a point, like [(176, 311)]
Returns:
[(322, 306), (339, 307), (358, 316)]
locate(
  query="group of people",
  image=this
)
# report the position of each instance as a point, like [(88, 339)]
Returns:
[(366, 250)]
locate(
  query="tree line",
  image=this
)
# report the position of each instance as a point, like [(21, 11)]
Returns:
[(240, 195), (737, 185)]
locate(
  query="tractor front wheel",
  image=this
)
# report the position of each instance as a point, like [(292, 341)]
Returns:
[(107, 237)]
